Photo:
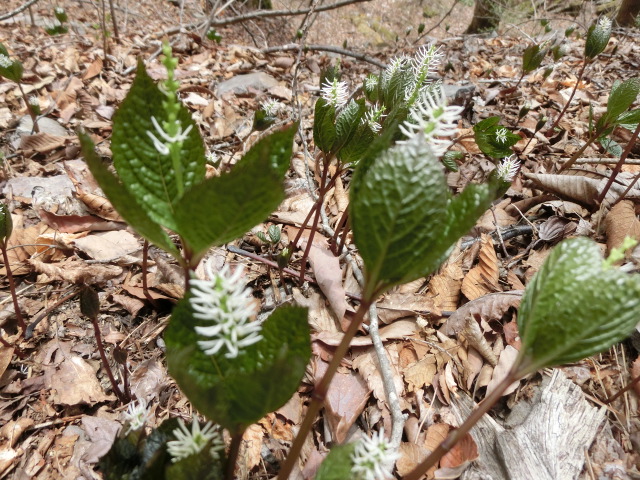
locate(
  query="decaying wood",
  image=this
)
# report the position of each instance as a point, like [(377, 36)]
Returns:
[(545, 440)]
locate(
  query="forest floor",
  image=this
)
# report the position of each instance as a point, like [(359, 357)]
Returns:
[(58, 413)]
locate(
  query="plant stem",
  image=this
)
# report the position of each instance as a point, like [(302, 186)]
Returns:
[(105, 362), (574, 158), (573, 92), (113, 20), (619, 165), (232, 457), (629, 386), (12, 287), (34, 117), (145, 285), (320, 391), (457, 434)]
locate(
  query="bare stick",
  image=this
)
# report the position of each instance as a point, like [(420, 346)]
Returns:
[(113, 20), (105, 362), (326, 48), (387, 379), (12, 287), (255, 15), (18, 10)]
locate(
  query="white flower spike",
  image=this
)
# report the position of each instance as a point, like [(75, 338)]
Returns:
[(508, 168), (161, 146), (501, 135), (373, 117), (432, 117), (191, 442), (226, 307), (426, 60), (5, 62), (335, 93), (373, 458), (136, 416)]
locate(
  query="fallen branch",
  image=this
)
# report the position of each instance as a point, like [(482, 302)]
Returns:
[(280, 13), (18, 10), (326, 48)]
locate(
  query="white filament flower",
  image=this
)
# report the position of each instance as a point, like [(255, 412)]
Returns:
[(394, 66), (212, 158), (271, 107), (432, 117), (137, 415), (33, 101), (191, 442), (501, 135), (426, 60), (335, 93), (373, 458), (162, 147), (373, 117), (5, 62), (225, 304), (508, 168), (370, 83), (604, 23), (59, 10)]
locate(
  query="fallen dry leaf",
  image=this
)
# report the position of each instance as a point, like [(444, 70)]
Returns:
[(347, 396), (445, 287), (108, 246), (483, 278), (71, 379), (366, 364), (505, 362), (621, 222), (77, 272), (420, 373), (396, 330), (455, 461), (411, 455), (488, 307)]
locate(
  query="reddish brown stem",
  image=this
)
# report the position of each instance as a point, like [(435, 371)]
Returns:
[(573, 92), (12, 288), (320, 391), (456, 435), (145, 285), (232, 457), (105, 362), (619, 165), (340, 226)]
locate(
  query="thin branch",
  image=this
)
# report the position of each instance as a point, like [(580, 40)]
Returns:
[(252, 16), (326, 48), (18, 10), (387, 379), (280, 13)]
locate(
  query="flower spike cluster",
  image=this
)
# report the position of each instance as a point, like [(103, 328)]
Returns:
[(432, 117), (226, 307), (335, 93), (191, 442), (137, 415), (5, 62), (508, 168), (373, 458)]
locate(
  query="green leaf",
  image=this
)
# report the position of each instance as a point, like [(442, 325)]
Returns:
[(598, 37), (622, 96), (532, 58), (398, 212), (575, 307), (238, 392), (449, 159), (337, 465), (124, 202), (485, 133), (6, 224), (221, 209), (324, 131), (630, 119), (348, 122), (262, 120), (355, 149), (149, 176), (14, 71)]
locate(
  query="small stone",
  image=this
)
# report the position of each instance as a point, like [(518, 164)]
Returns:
[(240, 84)]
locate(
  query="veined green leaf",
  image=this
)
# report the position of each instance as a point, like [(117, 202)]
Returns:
[(147, 174), (324, 131), (337, 465), (629, 120), (622, 96), (485, 134), (347, 123), (14, 71), (124, 202), (598, 37), (532, 58), (221, 209), (575, 307), (238, 392), (398, 211)]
